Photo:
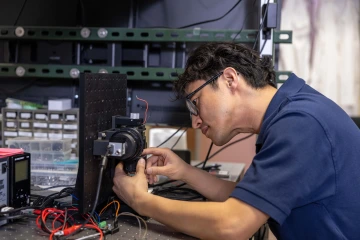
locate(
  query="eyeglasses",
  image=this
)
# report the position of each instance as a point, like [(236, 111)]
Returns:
[(190, 104)]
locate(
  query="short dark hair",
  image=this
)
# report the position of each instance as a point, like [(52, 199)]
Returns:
[(210, 58)]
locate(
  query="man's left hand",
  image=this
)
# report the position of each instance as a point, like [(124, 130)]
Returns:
[(127, 188)]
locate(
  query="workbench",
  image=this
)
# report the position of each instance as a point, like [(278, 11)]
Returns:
[(129, 228)]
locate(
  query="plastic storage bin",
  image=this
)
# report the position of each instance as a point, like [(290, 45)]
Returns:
[(52, 179), (43, 150), (55, 167), (39, 144), (51, 174)]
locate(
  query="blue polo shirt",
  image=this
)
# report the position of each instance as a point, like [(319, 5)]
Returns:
[(306, 172)]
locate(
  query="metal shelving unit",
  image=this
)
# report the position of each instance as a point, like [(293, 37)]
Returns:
[(152, 61), (134, 34)]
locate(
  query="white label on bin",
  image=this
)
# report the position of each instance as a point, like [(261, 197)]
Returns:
[(70, 126), (40, 125), (70, 135), (54, 116), (25, 134), (70, 117), (25, 115), (40, 116), (55, 135), (10, 134), (73, 145), (11, 115), (55, 125), (10, 124), (40, 135), (25, 125)]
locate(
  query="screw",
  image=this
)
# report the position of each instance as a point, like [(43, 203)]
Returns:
[(74, 73), (19, 31), (20, 71), (102, 70), (102, 33), (85, 32)]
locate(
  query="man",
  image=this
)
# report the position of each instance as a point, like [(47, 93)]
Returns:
[(304, 180)]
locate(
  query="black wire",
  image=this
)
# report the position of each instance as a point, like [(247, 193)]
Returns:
[(262, 237), (176, 190), (21, 10), (179, 138), (207, 155), (63, 193), (180, 185), (239, 140), (170, 137), (163, 183), (262, 23), (262, 47), (19, 209), (218, 151), (42, 189), (96, 198), (5, 91), (212, 20), (245, 19)]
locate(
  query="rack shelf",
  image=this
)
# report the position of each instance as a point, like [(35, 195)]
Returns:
[(135, 34)]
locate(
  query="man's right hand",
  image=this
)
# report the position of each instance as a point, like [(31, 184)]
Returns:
[(164, 162)]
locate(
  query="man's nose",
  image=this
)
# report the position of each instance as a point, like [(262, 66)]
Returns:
[(196, 121)]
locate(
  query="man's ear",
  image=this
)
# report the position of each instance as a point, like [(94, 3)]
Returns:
[(231, 77)]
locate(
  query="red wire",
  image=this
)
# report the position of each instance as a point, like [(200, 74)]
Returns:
[(86, 225), (147, 107), (37, 221), (57, 214), (60, 220)]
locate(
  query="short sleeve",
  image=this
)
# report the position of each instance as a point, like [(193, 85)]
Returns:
[(293, 168)]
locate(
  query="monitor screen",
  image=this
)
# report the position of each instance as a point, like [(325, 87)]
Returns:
[(21, 170)]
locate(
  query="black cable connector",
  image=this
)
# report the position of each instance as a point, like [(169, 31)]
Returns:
[(116, 228)]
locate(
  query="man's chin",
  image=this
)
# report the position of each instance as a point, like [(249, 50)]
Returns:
[(219, 142)]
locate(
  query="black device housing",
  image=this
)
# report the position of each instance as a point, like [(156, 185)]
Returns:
[(101, 97), (15, 187), (128, 131), (19, 180)]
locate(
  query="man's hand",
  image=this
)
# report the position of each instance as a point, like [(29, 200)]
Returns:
[(164, 162), (127, 188)]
